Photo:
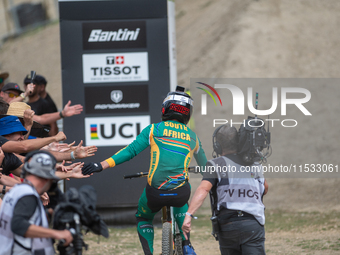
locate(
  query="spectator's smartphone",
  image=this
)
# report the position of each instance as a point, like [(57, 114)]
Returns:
[(32, 76)]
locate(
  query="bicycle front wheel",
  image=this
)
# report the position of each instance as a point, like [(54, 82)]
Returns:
[(167, 243)]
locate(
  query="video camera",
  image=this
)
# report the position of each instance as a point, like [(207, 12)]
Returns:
[(78, 212), (254, 140), (76, 247)]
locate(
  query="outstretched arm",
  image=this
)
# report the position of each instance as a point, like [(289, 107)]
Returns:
[(28, 121), (78, 152), (125, 154), (104, 164), (8, 181), (29, 90), (32, 144), (68, 111), (72, 171), (199, 153)]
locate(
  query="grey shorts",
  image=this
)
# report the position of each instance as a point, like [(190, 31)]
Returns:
[(244, 237)]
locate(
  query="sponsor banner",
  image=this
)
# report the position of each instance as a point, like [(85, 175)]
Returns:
[(114, 131), (115, 67), (114, 35), (116, 99)]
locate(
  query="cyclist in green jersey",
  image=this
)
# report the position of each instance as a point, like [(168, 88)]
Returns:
[(172, 146)]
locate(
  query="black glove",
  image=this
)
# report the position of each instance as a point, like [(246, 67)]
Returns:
[(91, 167)]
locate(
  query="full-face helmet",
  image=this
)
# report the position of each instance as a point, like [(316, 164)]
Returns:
[(177, 105)]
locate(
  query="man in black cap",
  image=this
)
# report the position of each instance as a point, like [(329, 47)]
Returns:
[(40, 101), (10, 91), (38, 104), (41, 83)]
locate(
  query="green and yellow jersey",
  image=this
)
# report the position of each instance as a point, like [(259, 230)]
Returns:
[(172, 146)]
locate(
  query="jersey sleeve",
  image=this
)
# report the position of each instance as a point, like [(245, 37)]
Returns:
[(199, 154), (141, 143)]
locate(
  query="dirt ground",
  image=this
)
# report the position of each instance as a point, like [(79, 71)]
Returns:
[(238, 39), (286, 233)]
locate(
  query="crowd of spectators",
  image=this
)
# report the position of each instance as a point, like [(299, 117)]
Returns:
[(28, 123)]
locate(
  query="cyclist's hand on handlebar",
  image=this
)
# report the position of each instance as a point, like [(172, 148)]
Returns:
[(91, 167)]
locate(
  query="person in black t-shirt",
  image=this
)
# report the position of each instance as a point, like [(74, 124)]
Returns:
[(6, 182), (10, 162), (43, 93), (41, 106), (41, 83)]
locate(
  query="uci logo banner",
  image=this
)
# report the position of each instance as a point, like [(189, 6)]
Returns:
[(114, 131)]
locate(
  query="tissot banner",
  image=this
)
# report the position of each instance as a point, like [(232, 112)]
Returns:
[(119, 67)]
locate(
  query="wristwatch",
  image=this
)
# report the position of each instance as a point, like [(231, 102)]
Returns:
[(4, 190), (23, 95)]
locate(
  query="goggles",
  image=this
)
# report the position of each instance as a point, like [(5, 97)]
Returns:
[(11, 95)]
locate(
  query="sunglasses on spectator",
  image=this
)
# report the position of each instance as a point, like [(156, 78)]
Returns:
[(1, 80), (11, 95)]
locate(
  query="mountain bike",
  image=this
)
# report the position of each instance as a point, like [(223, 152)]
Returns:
[(171, 237)]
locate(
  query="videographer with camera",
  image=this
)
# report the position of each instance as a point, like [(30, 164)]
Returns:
[(236, 196), (23, 222)]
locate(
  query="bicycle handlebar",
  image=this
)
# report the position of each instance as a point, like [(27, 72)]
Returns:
[(137, 175), (191, 169)]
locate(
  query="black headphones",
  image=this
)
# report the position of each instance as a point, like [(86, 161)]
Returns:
[(217, 148)]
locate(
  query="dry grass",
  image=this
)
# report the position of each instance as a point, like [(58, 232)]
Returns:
[(287, 232)]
